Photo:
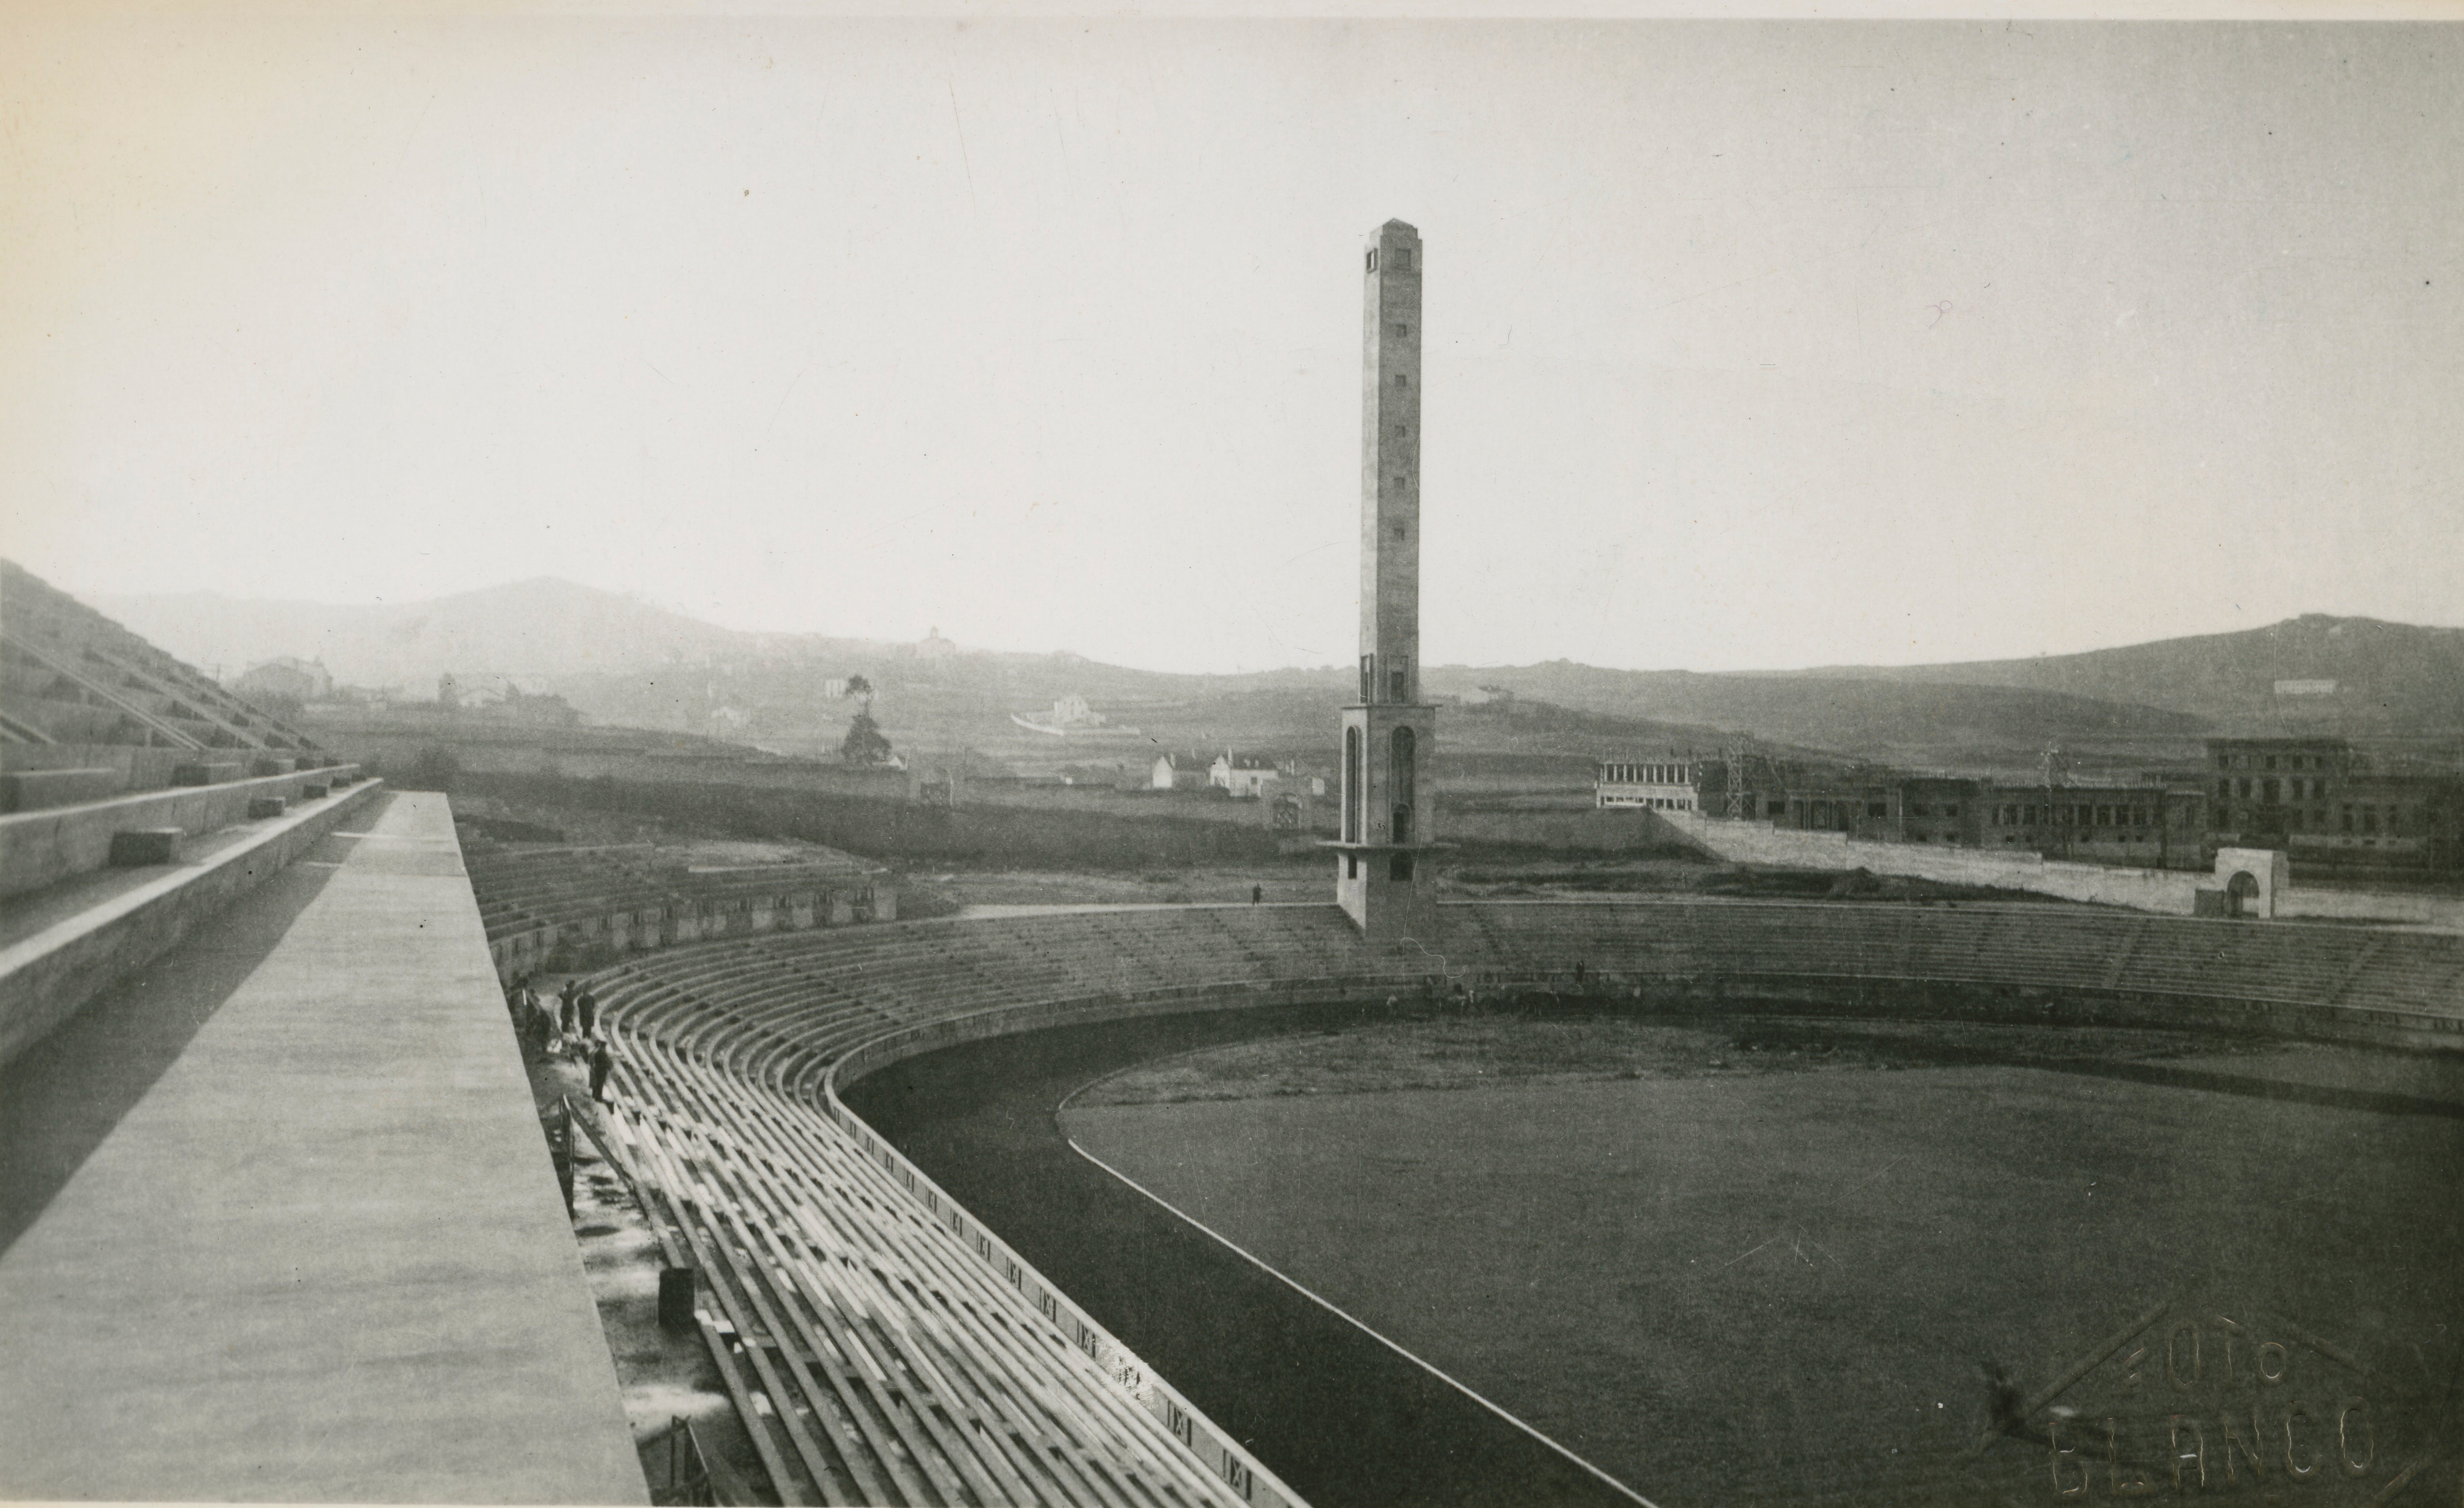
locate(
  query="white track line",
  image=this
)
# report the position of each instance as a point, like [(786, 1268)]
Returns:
[(1332, 1308)]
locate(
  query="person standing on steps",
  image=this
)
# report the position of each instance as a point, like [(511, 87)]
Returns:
[(1257, 894), (586, 1011)]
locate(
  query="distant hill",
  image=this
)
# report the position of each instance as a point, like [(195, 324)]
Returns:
[(627, 661), (2396, 679), (624, 661), (538, 628), (1921, 724)]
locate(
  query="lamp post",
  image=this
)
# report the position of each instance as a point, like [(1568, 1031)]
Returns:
[(2052, 752)]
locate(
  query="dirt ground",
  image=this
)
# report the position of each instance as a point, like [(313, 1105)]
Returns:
[(1489, 1049), (1231, 884), (1740, 1263), (1476, 877)]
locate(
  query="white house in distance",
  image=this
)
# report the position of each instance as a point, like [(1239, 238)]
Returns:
[(1179, 772), (1246, 778)]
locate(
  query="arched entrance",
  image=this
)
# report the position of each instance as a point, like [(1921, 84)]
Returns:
[(2241, 892)]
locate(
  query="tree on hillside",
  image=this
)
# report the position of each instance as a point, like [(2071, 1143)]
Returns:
[(864, 742), (858, 686)]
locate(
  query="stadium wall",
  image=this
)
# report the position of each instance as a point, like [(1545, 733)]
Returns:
[(2165, 892), (1592, 832)]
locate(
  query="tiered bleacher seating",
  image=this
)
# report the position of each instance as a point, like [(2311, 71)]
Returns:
[(629, 897), (894, 1361), (71, 677), (781, 1004), (899, 1336), (136, 798)]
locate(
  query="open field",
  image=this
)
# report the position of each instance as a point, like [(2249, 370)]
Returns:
[(1763, 1262)]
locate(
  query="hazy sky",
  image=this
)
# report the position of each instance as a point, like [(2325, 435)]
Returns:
[(1748, 343)]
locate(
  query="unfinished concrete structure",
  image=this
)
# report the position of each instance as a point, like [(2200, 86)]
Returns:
[(1381, 873)]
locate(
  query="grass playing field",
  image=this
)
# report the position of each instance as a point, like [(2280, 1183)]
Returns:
[(1776, 1263)]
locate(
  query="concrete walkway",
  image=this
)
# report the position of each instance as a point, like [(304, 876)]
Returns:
[(277, 1222)]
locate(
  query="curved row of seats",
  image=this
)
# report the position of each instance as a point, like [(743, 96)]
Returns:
[(784, 1007), (875, 1357), (626, 895), (884, 1350)]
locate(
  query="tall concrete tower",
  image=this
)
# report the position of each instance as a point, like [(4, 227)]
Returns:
[(1381, 875)]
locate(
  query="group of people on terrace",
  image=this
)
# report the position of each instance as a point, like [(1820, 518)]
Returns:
[(567, 1029)]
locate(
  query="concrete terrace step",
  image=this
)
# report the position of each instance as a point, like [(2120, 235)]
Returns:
[(277, 1222), (42, 848), (61, 946)]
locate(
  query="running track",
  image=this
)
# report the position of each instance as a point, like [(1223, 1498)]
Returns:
[(1340, 1417)]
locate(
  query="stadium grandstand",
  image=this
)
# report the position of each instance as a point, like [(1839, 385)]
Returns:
[(75, 686), (542, 906), (292, 1003), (133, 792), (727, 1115)]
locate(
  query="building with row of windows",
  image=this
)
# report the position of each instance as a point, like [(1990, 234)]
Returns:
[(2148, 825), (2317, 798), (2323, 800)]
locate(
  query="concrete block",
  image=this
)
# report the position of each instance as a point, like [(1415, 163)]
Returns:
[(676, 1298), (272, 767), (47, 845), (260, 808), (312, 792), (29, 790), (135, 847), (202, 773)]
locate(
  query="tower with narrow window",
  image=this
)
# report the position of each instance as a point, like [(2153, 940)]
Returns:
[(1389, 734)]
